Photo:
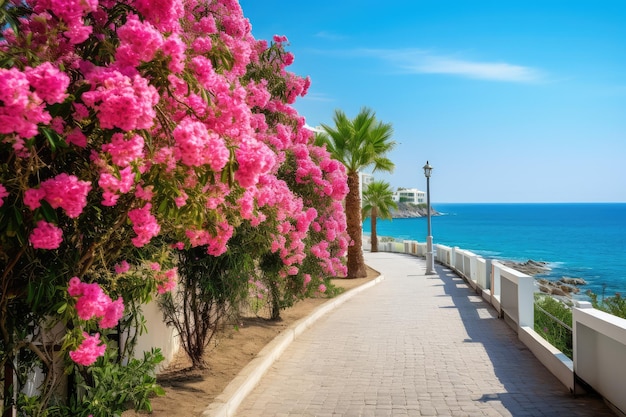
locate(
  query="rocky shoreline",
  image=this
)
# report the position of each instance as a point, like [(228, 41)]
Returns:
[(563, 287), (409, 211)]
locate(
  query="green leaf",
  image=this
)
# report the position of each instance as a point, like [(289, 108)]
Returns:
[(48, 212), (52, 136), (17, 215)]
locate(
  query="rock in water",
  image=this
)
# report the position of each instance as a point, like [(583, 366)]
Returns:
[(573, 281), (529, 267)]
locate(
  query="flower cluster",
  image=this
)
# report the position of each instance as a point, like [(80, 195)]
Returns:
[(24, 95), (65, 191), (3, 194), (123, 151), (167, 280), (46, 236), (89, 350), (121, 101), (94, 303), (144, 225)]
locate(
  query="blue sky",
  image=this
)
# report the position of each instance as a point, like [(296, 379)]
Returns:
[(510, 101)]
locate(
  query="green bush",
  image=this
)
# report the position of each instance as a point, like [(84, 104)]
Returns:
[(106, 389), (615, 305), (550, 329)]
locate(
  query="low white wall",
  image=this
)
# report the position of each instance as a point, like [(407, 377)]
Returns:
[(560, 365), (158, 335), (600, 353)]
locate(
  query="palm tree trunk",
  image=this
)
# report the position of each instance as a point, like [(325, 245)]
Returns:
[(356, 263), (374, 233)]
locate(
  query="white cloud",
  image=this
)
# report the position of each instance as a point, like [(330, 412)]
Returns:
[(424, 62), (314, 129)]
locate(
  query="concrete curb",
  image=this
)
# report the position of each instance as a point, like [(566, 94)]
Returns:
[(227, 403)]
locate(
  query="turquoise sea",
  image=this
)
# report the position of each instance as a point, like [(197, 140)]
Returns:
[(577, 240)]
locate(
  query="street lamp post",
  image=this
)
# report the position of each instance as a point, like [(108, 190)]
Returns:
[(430, 260)]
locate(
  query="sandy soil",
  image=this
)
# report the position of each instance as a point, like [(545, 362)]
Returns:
[(190, 391)]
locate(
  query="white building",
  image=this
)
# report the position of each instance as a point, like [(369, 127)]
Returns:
[(409, 195), (364, 181)]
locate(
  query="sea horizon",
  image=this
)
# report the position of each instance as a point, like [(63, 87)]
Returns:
[(580, 239)]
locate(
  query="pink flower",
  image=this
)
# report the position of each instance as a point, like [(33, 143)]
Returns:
[(89, 350), (67, 192), (80, 111), (198, 147), (279, 39), (197, 237), (46, 236), (22, 109), (163, 14), (49, 82), (167, 281), (139, 42), (122, 151), (144, 225), (113, 312), (206, 25), (75, 287), (322, 288), (255, 159), (121, 101), (112, 186), (144, 193), (181, 200), (76, 137), (307, 279), (93, 302), (174, 47), (3, 194), (122, 267), (246, 205)]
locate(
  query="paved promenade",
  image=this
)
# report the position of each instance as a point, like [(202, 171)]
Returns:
[(413, 345)]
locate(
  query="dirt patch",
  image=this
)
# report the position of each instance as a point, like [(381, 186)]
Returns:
[(190, 391)]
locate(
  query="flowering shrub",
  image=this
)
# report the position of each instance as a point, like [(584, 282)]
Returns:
[(127, 127)]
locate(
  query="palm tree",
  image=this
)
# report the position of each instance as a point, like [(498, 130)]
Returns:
[(377, 202), (358, 144)]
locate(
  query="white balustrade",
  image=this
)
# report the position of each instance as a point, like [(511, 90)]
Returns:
[(599, 338)]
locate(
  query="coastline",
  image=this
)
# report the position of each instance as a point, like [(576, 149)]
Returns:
[(563, 287), (411, 211), (577, 240)]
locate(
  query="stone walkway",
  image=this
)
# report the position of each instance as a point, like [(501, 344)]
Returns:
[(413, 345)]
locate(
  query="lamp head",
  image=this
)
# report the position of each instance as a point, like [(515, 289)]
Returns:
[(427, 170)]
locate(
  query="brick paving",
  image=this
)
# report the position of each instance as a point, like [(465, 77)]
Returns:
[(413, 345)]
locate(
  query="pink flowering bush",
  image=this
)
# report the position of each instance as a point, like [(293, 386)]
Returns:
[(128, 128)]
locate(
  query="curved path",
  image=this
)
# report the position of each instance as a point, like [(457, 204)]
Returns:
[(413, 345)]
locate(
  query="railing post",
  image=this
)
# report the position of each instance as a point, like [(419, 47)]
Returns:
[(473, 266), (526, 301), (488, 274), (495, 280), (453, 256)]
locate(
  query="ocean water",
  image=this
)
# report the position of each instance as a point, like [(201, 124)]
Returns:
[(577, 240)]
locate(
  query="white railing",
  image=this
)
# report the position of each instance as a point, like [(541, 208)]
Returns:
[(599, 338)]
